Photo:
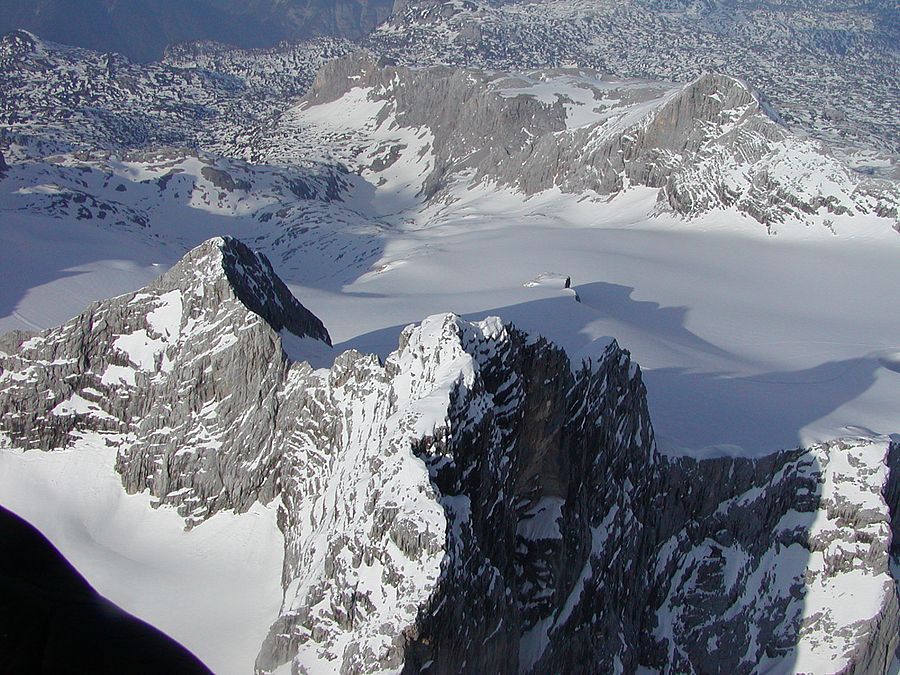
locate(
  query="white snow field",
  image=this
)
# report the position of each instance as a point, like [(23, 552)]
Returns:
[(215, 589), (749, 342)]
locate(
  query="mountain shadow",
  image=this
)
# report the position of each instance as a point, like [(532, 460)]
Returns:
[(691, 410)]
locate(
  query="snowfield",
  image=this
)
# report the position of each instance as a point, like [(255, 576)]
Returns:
[(749, 342), (214, 589), (750, 338)]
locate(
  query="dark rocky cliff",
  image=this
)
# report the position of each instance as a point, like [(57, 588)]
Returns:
[(474, 503)]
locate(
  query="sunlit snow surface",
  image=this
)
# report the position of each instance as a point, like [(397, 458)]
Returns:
[(215, 589), (748, 342)]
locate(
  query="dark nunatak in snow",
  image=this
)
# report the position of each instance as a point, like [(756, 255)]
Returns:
[(475, 502)]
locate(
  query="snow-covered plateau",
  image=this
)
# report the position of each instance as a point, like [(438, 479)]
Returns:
[(589, 373)]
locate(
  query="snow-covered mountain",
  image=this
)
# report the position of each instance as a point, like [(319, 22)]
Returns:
[(417, 133), (710, 144), (452, 189), (482, 489), (830, 67), (476, 501)]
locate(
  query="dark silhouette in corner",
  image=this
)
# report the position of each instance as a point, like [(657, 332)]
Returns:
[(52, 621)]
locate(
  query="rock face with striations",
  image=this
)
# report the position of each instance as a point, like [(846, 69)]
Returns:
[(474, 502), (187, 369), (710, 144)]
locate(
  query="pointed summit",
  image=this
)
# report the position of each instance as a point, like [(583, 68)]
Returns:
[(224, 263)]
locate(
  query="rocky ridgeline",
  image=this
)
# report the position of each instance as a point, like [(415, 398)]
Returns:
[(474, 502), (187, 368), (779, 48), (711, 144)]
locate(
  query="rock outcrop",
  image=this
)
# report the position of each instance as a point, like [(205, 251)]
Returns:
[(187, 369), (711, 144), (474, 503)]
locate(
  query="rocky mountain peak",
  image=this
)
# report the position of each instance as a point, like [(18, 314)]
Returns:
[(138, 357), (475, 473), (225, 264), (18, 43), (357, 69), (702, 109)]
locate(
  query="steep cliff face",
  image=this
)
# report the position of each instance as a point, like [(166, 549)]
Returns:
[(187, 369), (710, 144), (421, 521), (473, 503)]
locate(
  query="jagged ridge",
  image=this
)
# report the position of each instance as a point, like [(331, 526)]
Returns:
[(473, 502), (140, 365), (710, 144)]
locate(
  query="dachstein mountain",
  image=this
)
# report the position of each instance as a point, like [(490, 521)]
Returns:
[(473, 502)]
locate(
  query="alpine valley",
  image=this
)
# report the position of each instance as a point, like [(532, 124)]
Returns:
[(510, 337)]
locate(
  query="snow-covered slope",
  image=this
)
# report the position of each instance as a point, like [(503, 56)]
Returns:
[(384, 203), (476, 497), (712, 144), (474, 501)]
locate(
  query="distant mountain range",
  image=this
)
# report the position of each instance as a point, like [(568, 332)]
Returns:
[(141, 29)]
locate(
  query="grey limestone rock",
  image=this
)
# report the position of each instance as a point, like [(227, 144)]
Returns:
[(186, 369), (713, 143), (474, 503), (472, 126)]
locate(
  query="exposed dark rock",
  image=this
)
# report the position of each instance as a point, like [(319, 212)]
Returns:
[(223, 180), (52, 621), (474, 503)]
